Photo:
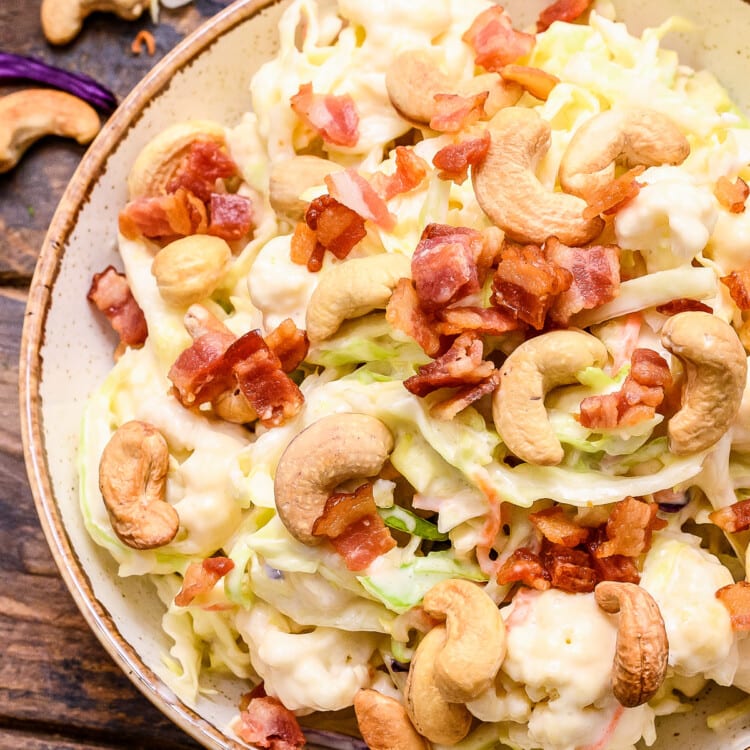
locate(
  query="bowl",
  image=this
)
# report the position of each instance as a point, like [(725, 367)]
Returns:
[(66, 351)]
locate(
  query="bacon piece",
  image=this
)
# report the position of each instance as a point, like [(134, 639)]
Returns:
[(163, 216), (465, 397), (404, 313), (556, 527), (352, 190), (454, 112), (288, 343), (337, 227), (736, 598), (675, 306), (410, 172), (111, 294), (444, 264), (201, 577), (344, 508), (733, 518), (527, 283), (231, 216), (614, 567), (267, 724), (562, 10), (537, 82), (461, 365), (304, 246), (205, 162), (738, 283), (494, 40), (487, 321), (454, 160), (610, 198), (363, 542), (526, 567), (629, 528), (569, 569), (333, 117), (732, 195), (649, 368), (596, 277)]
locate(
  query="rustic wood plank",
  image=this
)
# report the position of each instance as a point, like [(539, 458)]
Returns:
[(19, 740)]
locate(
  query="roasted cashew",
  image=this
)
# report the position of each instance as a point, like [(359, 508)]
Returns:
[(532, 369), (634, 136), (28, 115), (63, 19), (414, 78), (384, 723), (325, 454), (642, 647), (475, 644), (292, 177), (511, 194), (716, 370), (351, 289), (431, 714), (160, 157), (132, 480)]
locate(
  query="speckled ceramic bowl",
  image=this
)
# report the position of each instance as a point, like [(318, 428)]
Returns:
[(67, 351)]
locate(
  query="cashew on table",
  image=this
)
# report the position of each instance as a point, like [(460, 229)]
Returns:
[(63, 19)]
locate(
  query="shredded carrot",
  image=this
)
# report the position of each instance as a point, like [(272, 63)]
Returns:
[(141, 38)]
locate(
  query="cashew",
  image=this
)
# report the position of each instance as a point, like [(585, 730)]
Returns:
[(189, 269), (291, 177), (328, 452), (475, 645), (431, 714), (716, 369), (384, 723), (642, 647), (529, 372), (158, 160), (63, 19), (414, 78), (351, 289), (634, 136), (28, 115), (512, 196), (132, 480)]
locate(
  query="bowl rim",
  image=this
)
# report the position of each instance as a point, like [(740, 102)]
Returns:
[(38, 304)]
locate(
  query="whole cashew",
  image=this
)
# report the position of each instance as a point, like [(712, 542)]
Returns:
[(642, 647), (532, 369), (63, 19), (716, 368), (325, 454), (132, 480), (475, 645), (28, 115), (160, 157), (414, 78), (384, 723), (635, 136), (291, 177), (512, 196), (431, 714), (351, 289)]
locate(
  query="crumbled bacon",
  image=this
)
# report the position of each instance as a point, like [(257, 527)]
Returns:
[(305, 249), (614, 567), (733, 518), (461, 365), (569, 569), (486, 321), (537, 82), (344, 508), (527, 283), (352, 190), (177, 214), (204, 163), (267, 724), (494, 40), (288, 343), (454, 160), (738, 283), (231, 216), (111, 294), (596, 277), (675, 306), (333, 117), (610, 198), (465, 397), (556, 527), (410, 172), (526, 567), (454, 113), (629, 528), (337, 228), (201, 577), (562, 10), (650, 369), (405, 314), (732, 195), (736, 598)]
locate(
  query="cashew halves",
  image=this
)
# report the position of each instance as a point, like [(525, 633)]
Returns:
[(292, 177), (633, 136), (63, 19), (432, 715), (353, 288), (716, 370), (384, 723), (325, 454), (512, 196), (475, 644), (132, 480), (28, 115), (642, 647), (532, 369)]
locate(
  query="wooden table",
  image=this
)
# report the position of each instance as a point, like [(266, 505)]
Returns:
[(59, 689)]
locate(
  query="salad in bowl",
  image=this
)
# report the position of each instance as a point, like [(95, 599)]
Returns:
[(429, 411)]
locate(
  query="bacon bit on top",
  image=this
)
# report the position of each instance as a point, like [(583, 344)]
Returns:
[(344, 508), (556, 527), (164, 217), (562, 10), (405, 314), (304, 248), (732, 195), (487, 321), (337, 229), (454, 160), (614, 567), (738, 283), (629, 528), (465, 397), (524, 566), (569, 569), (610, 198), (198, 171), (733, 518), (736, 598), (141, 38), (494, 40), (352, 190), (288, 343), (454, 113), (333, 117), (410, 171), (201, 577), (537, 82), (264, 722), (675, 306), (231, 216)]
